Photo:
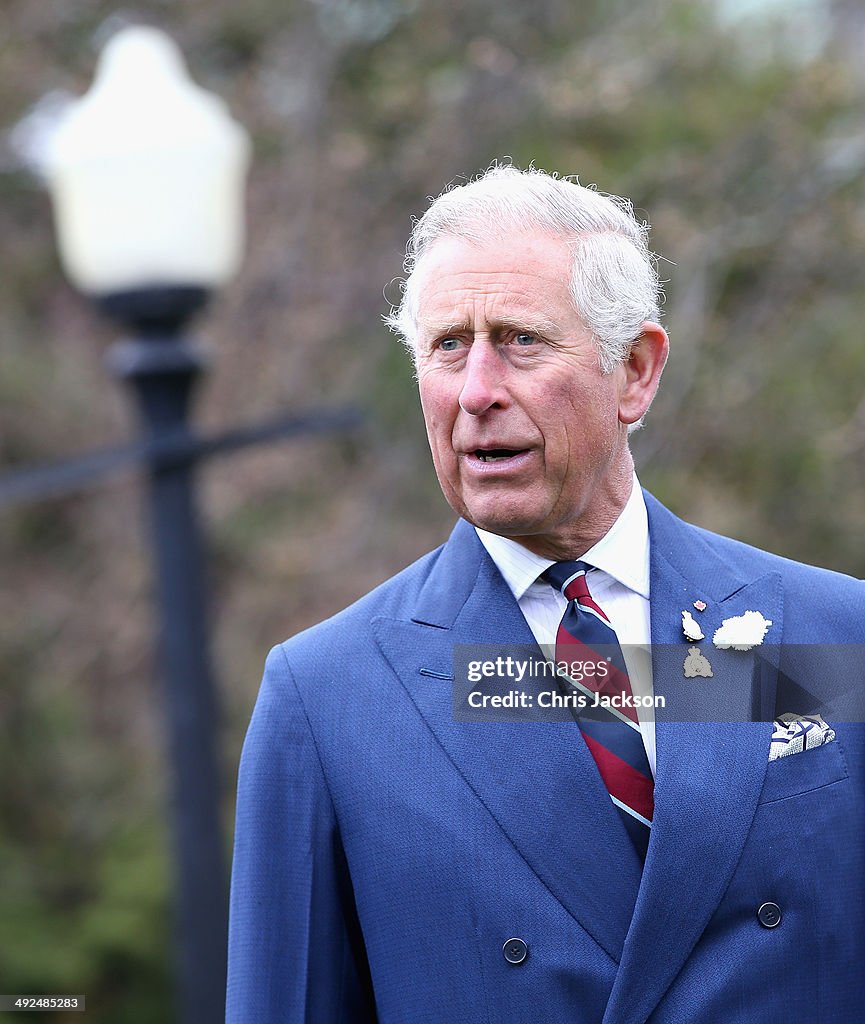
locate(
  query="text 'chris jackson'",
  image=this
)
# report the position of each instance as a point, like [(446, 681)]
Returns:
[(557, 699)]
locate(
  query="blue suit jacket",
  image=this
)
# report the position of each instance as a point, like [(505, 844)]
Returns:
[(385, 852)]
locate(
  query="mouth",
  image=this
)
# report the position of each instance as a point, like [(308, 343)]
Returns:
[(497, 454), (498, 462)]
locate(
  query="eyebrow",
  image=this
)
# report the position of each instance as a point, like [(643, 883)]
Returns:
[(530, 324)]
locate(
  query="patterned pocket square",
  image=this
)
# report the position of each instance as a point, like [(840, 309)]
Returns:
[(795, 733)]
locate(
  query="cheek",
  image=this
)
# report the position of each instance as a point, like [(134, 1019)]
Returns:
[(438, 421), (578, 425), (560, 416), (428, 404), (436, 427)]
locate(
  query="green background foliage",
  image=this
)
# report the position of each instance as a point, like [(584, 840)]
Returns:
[(739, 135)]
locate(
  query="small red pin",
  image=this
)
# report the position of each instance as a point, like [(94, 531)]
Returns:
[(700, 606)]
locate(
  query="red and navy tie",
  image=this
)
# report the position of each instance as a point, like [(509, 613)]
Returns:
[(587, 643)]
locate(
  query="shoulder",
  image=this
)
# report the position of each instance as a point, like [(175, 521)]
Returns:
[(667, 531), (334, 680), (819, 604), (793, 572), (348, 632), (830, 602), (800, 575)]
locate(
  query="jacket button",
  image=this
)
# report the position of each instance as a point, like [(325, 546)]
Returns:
[(769, 915), (515, 951)]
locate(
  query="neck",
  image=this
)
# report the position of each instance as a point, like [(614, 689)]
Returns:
[(573, 539)]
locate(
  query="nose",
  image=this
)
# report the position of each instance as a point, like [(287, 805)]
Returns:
[(483, 385)]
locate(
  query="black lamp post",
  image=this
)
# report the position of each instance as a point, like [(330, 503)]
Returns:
[(162, 366), (147, 178)]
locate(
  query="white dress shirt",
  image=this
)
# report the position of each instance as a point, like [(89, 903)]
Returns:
[(620, 585)]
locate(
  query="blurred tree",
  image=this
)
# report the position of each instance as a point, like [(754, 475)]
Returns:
[(743, 145)]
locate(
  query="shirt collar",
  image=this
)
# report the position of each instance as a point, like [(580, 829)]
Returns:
[(622, 553)]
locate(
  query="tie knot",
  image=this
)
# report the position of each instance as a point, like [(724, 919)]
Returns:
[(569, 578)]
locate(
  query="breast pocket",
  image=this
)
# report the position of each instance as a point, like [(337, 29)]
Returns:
[(804, 772)]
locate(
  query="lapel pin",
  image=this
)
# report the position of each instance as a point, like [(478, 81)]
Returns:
[(700, 606), (697, 664), (741, 632), (690, 628)]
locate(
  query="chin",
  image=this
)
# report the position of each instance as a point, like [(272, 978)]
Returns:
[(513, 524)]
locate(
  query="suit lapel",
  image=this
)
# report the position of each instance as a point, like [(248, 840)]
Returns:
[(711, 758), (536, 779)]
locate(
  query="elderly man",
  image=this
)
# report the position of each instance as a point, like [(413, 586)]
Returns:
[(636, 858)]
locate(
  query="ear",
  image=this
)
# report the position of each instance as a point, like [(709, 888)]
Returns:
[(642, 371)]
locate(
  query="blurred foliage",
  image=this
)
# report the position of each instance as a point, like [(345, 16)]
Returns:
[(741, 137)]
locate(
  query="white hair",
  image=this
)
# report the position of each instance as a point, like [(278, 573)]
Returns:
[(614, 282)]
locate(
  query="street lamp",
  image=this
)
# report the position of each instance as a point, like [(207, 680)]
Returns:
[(147, 174)]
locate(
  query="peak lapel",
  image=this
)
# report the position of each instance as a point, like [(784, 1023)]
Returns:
[(711, 760), (536, 779)]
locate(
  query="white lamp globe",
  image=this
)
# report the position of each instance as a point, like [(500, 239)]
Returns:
[(147, 175)]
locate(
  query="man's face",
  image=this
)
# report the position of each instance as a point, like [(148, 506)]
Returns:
[(524, 428)]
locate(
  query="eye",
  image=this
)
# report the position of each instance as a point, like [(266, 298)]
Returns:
[(449, 344), (524, 339)]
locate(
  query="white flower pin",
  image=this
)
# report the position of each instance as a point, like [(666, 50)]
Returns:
[(690, 628), (741, 632)]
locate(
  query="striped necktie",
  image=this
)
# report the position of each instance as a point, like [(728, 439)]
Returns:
[(612, 733)]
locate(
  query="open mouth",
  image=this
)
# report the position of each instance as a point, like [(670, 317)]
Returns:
[(497, 454)]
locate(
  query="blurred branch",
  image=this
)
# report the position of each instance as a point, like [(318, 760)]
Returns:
[(78, 474)]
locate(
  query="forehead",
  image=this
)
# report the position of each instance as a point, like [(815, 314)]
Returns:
[(519, 274)]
